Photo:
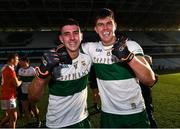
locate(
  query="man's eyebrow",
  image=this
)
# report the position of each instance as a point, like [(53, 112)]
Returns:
[(66, 32), (99, 23), (77, 30)]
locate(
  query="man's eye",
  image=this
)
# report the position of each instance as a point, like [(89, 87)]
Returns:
[(109, 23), (65, 34), (99, 24), (76, 32)]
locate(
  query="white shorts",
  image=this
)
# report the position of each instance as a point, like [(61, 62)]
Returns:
[(8, 104)]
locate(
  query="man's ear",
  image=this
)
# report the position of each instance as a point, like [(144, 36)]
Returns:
[(81, 36), (60, 39), (95, 29), (115, 25)]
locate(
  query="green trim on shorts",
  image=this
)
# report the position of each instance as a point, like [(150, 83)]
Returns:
[(138, 120), (83, 124)]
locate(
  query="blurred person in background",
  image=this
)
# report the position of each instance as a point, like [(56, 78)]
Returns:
[(10, 83), (26, 74), (19, 93), (147, 95)]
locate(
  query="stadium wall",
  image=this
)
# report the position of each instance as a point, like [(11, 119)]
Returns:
[(164, 47)]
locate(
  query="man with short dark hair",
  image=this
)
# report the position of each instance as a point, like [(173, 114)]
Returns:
[(119, 66), (66, 70)]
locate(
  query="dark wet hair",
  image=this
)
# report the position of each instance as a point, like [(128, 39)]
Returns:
[(25, 58), (68, 21), (103, 13)]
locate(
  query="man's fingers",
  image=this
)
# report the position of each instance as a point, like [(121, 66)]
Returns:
[(38, 71)]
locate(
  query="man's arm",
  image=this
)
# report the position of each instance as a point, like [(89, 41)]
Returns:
[(16, 82), (36, 88), (14, 79), (49, 60), (142, 70), (138, 64)]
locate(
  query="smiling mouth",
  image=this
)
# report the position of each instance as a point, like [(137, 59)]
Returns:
[(106, 33), (72, 43)]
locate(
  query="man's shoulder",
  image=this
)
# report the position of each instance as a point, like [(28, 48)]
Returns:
[(29, 68), (134, 47), (90, 45), (7, 69), (84, 56), (32, 68), (131, 42)]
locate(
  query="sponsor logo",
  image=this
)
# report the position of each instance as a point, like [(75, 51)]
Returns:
[(64, 66), (98, 50)]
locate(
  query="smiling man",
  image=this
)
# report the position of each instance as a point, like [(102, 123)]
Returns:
[(119, 66), (66, 70)]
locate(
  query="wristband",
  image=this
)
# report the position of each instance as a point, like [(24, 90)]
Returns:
[(130, 57)]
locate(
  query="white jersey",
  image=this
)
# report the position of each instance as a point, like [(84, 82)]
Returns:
[(119, 89), (68, 93), (26, 75)]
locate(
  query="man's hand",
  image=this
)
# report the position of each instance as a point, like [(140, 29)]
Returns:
[(120, 50), (64, 57), (49, 60)]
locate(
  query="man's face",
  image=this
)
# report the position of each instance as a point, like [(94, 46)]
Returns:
[(22, 63), (15, 61), (71, 37), (105, 28)]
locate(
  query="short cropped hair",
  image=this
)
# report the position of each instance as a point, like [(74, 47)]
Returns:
[(103, 13), (69, 21), (25, 58), (12, 56)]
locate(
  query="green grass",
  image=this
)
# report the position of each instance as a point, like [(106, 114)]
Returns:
[(166, 100)]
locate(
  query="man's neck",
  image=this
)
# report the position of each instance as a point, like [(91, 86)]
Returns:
[(110, 43), (26, 66), (10, 64), (74, 55)]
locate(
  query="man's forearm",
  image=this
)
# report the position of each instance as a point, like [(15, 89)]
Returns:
[(143, 71), (36, 89), (17, 82)]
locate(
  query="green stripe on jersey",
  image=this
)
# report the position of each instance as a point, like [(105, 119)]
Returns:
[(81, 50), (66, 88), (26, 78), (139, 54), (116, 71)]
